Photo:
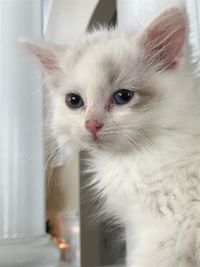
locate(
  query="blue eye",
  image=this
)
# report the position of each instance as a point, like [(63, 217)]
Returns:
[(74, 101), (123, 96)]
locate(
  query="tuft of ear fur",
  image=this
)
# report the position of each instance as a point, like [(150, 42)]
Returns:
[(164, 39), (48, 56), (46, 53)]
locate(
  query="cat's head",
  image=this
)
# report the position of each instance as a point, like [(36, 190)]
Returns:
[(116, 90)]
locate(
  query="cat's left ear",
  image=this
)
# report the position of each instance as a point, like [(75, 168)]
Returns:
[(47, 54), (49, 58), (163, 41)]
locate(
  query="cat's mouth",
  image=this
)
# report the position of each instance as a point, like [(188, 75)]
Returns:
[(96, 142)]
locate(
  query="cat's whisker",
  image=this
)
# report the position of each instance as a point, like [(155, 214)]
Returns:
[(135, 142), (130, 143), (135, 109), (47, 176), (49, 163), (138, 140), (108, 132), (142, 138), (144, 145)]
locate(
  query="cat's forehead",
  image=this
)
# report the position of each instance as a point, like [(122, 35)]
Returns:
[(102, 59), (106, 45), (101, 38)]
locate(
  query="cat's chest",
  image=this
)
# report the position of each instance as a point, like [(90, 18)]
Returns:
[(118, 180), (128, 185), (125, 177)]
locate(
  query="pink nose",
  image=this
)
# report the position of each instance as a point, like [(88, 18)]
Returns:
[(93, 126)]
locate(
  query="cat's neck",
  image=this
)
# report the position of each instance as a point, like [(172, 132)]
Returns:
[(172, 149)]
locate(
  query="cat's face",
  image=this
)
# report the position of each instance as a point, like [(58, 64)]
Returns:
[(115, 91)]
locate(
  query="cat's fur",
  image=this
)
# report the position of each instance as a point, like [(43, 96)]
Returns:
[(147, 163)]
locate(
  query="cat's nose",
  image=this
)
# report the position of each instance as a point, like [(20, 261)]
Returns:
[(93, 126)]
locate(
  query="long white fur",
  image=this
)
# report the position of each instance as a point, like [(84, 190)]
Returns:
[(147, 167)]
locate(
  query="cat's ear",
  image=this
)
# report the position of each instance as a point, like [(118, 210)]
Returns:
[(47, 54), (49, 58), (164, 39)]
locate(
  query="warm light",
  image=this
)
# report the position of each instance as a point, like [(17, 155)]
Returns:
[(61, 243)]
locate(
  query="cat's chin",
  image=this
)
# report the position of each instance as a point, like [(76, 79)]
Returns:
[(93, 143), (105, 145)]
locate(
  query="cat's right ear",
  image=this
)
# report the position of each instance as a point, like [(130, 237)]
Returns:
[(48, 56), (163, 40)]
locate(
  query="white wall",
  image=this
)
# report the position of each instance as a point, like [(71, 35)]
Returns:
[(135, 14), (69, 19)]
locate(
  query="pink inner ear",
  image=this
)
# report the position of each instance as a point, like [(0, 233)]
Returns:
[(49, 63), (46, 55), (164, 38)]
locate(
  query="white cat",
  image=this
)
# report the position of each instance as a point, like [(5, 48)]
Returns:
[(133, 102)]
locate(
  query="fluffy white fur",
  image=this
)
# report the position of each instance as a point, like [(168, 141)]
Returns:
[(145, 163)]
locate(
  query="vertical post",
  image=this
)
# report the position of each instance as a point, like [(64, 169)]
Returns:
[(65, 13), (23, 241)]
